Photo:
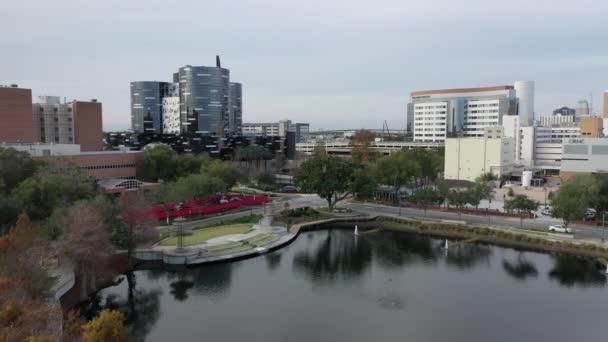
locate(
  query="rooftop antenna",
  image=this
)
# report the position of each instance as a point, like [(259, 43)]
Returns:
[(217, 61)]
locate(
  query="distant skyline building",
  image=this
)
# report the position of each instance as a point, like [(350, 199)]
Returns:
[(435, 115), (565, 111), (204, 99), (582, 108), (236, 107), (208, 103), (76, 122), (146, 106), (606, 104), (171, 116), (556, 120), (277, 129), (524, 90), (16, 120)]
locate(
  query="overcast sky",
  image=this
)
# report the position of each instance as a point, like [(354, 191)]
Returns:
[(333, 63)]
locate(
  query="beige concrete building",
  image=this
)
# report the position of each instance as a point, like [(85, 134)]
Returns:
[(591, 127), (469, 158), (77, 122)]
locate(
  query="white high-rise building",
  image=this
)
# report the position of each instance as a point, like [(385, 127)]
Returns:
[(525, 93), (435, 115), (430, 121), (171, 116)]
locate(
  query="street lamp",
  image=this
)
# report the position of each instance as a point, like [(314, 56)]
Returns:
[(603, 226), (178, 222)]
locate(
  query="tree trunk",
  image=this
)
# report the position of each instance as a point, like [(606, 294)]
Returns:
[(83, 283), (330, 204)]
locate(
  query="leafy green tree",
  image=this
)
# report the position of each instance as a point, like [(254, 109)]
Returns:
[(53, 186), (15, 166), (253, 153), (108, 326), (364, 184), (187, 164), (160, 163), (443, 190), (487, 177), (198, 186), (459, 199), (9, 212), (327, 176), (523, 205), (396, 170), (480, 190), (223, 170), (601, 198), (575, 197), (426, 197), (430, 165), (266, 181)]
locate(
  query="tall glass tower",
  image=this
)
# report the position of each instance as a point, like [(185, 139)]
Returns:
[(235, 120), (146, 106), (204, 94)]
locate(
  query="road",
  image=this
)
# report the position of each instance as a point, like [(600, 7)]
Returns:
[(580, 232), (314, 201)]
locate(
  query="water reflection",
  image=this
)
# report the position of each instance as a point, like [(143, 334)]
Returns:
[(520, 269), (179, 289), (340, 256), (273, 260), (141, 306), (466, 255), (393, 249), (400, 283), (571, 271)]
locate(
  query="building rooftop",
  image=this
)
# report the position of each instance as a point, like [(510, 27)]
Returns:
[(460, 90)]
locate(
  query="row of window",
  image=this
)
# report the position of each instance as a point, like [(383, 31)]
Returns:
[(483, 105), (111, 166), (487, 111)]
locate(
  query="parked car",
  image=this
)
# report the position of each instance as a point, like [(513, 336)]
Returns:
[(224, 200), (289, 189), (559, 228), (590, 214), (547, 211)]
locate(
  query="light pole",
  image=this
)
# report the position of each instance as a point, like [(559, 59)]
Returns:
[(178, 222), (603, 226)]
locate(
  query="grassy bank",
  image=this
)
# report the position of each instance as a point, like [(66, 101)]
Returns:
[(494, 236), (202, 235)]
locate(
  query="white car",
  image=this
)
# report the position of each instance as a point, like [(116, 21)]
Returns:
[(559, 228)]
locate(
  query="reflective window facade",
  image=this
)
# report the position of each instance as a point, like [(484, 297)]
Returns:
[(146, 106), (204, 99), (235, 120)]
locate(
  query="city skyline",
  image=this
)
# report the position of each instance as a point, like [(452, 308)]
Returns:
[(328, 63)]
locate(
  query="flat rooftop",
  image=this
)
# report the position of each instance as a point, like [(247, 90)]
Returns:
[(460, 90)]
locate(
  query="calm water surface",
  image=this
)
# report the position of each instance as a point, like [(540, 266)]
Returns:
[(383, 286)]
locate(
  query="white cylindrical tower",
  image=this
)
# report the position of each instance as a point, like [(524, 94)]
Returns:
[(525, 93)]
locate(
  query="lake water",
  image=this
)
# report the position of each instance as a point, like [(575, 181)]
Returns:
[(380, 286)]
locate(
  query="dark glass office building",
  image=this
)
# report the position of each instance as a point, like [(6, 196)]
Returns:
[(146, 106), (204, 95), (235, 120)]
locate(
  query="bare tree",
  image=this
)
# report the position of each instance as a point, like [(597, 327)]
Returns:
[(86, 242), (139, 222)]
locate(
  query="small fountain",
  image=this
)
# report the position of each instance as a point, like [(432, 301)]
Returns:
[(446, 244), (356, 230)]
